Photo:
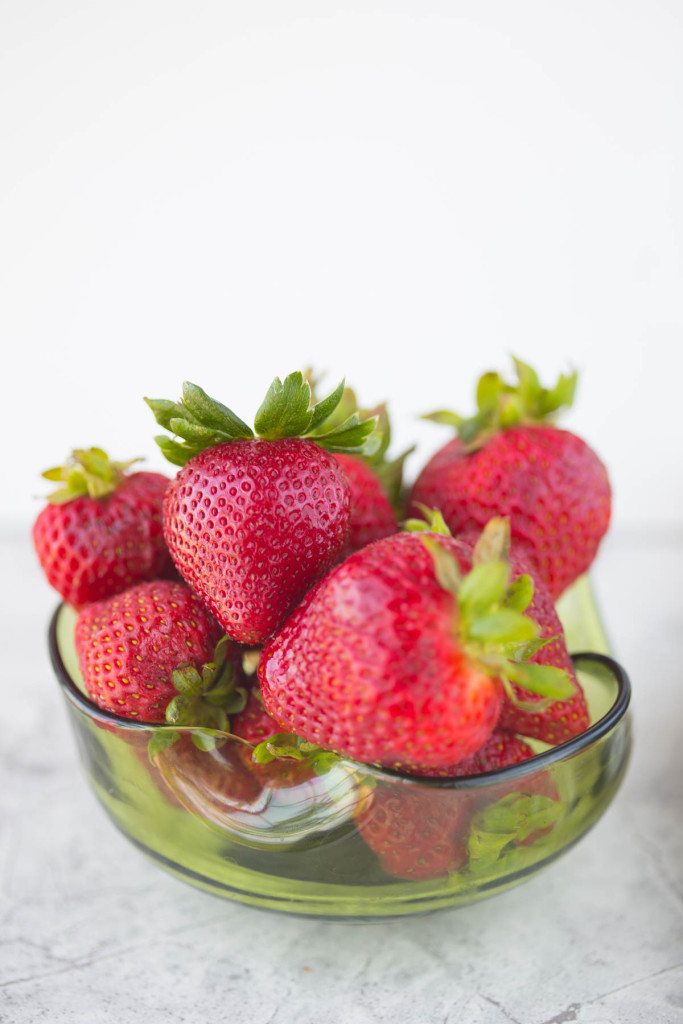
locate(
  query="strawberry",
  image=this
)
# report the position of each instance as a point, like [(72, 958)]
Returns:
[(560, 720), (254, 724), (524, 712), (372, 516), (252, 522), (395, 638), (417, 833), (102, 530), (501, 750), (142, 651), (509, 459)]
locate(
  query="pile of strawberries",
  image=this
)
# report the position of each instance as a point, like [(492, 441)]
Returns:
[(416, 631)]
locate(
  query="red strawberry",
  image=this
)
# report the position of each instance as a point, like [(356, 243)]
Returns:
[(560, 720), (417, 833), (250, 522), (395, 658), (131, 646), (507, 460), (372, 516), (501, 750), (254, 724), (102, 531)]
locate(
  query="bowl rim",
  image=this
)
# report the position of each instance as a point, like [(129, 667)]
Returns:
[(561, 752)]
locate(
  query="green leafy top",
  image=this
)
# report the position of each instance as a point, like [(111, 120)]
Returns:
[(490, 612), (499, 830), (389, 470), (501, 404), (87, 471), (289, 746), (202, 703), (288, 410)]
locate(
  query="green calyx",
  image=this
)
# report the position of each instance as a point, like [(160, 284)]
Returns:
[(501, 404), (87, 471), (288, 410), (389, 470), (497, 830), (203, 703), (491, 621), (433, 522), (289, 746)]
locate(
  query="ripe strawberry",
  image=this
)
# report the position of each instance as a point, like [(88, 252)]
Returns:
[(562, 719), (254, 724), (501, 750), (509, 460), (525, 712), (417, 833), (372, 516), (144, 648), (397, 640), (251, 523), (102, 531)]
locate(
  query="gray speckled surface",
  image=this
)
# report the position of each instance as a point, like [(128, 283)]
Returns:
[(91, 932)]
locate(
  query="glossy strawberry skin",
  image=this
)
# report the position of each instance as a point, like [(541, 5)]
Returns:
[(93, 548), (129, 644), (372, 516), (548, 481), (369, 665), (252, 524), (501, 750), (253, 724), (417, 832)]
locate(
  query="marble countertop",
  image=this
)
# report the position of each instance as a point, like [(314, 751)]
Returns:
[(91, 932)]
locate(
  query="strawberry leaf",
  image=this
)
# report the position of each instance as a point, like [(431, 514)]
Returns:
[(289, 746), (520, 594), (433, 522), (324, 409), (445, 565), (504, 626), (210, 413), (545, 680), (354, 436), (506, 824), (160, 741), (484, 587), (284, 411), (502, 404), (87, 471), (493, 543)]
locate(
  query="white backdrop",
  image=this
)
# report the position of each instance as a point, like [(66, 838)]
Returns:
[(402, 192)]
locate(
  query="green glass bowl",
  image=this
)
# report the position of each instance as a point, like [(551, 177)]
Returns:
[(281, 837)]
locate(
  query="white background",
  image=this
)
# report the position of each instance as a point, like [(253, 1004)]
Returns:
[(401, 192)]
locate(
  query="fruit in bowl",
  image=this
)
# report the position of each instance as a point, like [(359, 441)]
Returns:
[(327, 714)]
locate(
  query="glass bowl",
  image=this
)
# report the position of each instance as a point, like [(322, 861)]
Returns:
[(354, 841)]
